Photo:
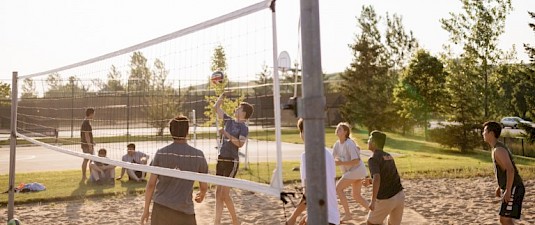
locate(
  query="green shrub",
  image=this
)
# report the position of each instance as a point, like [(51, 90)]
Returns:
[(465, 137)]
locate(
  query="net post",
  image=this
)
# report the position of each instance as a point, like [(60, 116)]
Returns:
[(276, 100), (246, 157), (13, 146), (194, 120), (313, 113)]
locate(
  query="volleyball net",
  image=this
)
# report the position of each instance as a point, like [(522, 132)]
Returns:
[(135, 92)]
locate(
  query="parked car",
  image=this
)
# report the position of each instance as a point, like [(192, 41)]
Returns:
[(513, 122)]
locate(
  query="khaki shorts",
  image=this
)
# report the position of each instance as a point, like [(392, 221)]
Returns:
[(392, 207)]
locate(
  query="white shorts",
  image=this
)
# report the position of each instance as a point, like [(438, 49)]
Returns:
[(356, 173)]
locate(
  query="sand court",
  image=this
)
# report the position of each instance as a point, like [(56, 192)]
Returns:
[(436, 201)]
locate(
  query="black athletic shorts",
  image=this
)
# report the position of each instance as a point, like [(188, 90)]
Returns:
[(227, 167), (513, 208), (162, 215)]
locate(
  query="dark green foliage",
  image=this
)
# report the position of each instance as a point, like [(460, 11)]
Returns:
[(529, 132), (367, 86), (421, 89), (477, 30), (526, 89), (463, 137), (462, 103), (508, 77)]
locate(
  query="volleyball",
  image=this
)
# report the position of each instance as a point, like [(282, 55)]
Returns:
[(217, 77), (14, 221)]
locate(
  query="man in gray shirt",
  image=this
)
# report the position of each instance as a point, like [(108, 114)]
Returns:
[(133, 156), (172, 197)]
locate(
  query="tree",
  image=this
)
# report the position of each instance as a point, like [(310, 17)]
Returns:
[(400, 45), (265, 80), (140, 74), (526, 88), (366, 85), (28, 88), (420, 91), (477, 30), (5, 94), (462, 105), (529, 85), (114, 81), (162, 103), (219, 63), (57, 88), (53, 81)]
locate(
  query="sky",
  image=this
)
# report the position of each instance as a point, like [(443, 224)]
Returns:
[(41, 35)]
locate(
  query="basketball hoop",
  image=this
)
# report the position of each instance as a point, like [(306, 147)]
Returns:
[(284, 61)]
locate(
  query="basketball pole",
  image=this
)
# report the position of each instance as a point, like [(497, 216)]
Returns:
[(313, 113), (13, 146)]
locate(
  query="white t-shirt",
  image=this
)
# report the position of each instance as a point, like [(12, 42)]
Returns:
[(347, 151), (330, 175)]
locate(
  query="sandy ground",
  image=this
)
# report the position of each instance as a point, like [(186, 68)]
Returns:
[(439, 201)]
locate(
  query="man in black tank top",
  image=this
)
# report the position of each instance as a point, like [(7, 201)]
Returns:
[(509, 181)]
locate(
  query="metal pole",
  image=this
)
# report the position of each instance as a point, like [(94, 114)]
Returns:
[(246, 166), (276, 102), (128, 111), (522, 147), (313, 105), (72, 109), (194, 120), (13, 146)]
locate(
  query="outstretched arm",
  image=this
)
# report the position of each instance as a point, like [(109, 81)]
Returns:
[(217, 106)]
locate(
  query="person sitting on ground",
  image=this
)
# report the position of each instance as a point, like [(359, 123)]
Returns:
[(101, 172), (133, 156)]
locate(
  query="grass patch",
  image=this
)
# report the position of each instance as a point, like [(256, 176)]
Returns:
[(419, 159)]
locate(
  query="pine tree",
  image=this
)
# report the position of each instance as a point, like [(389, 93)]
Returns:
[(367, 86)]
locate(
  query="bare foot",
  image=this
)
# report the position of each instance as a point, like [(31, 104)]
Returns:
[(346, 218)]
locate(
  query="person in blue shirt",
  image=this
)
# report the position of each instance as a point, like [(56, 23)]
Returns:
[(234, 135)]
